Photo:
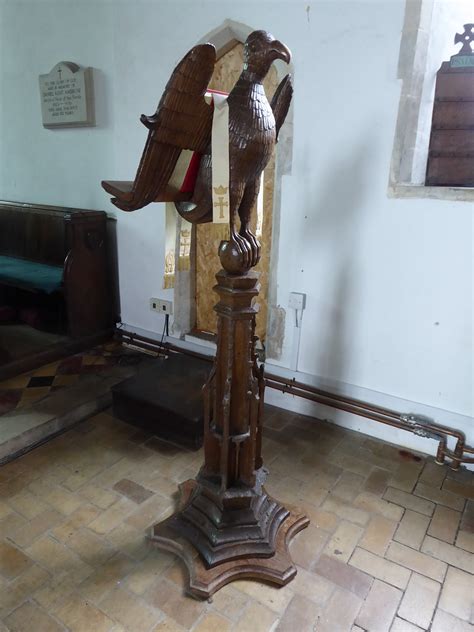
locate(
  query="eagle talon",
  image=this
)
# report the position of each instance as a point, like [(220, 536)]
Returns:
[(254, 245), (242, 246)]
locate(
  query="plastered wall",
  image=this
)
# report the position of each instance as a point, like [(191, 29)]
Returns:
[(389, 282)]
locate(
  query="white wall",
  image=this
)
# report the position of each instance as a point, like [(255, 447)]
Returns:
[(389, 282)]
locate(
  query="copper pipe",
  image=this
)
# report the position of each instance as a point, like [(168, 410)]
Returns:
[(311, 389), (341, 402)]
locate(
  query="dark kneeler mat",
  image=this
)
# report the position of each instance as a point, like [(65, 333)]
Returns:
[(166, 399)]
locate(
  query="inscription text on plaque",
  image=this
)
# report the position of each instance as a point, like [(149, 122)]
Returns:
[(67, 97)]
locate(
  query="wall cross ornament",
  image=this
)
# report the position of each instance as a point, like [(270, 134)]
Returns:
[(465, 56), (227, 526)]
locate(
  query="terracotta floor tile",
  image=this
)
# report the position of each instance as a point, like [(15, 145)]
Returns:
[(377, 481), (79, 518), (130, 611), (409, 501), (135, 492), (326, 474), (27, 504), (419, 601), (10, 524), (345, 510), (416, 561), (5, 509), (457, 596), (378, 534), (406, 477), (105, 578), (151, 511), (450, 554), (400, 625), (378, 610), (30, 531), (465, 490), (164, 595), (348, 486), (98, 496), (82, 475), (305, 548), (301, 614), (22, 618), (312, 586), (112, 517), (347, 462), (343, 575), (312, 493), (467, 520), (373, 504), (12, 561), (55, 557), (212, 622), (444, 524), (93, 549), (167, 625), (412, 529), (78, 615), (268, 595), (256, 617), (334, 616), (57, 590), (380, 568), (63, 501), (433, 474), (440, 496), (445, 622), (462, 475), (149, 570), (465, 541), (343, 541), (319, 518), (20, 589), (230, 602)]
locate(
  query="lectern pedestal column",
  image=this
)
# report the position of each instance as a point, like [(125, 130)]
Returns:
[(227, 526)]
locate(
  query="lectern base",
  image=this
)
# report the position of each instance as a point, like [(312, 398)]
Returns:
[(203, 581)]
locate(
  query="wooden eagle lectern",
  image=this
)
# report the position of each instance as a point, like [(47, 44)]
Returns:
[(227, 526)]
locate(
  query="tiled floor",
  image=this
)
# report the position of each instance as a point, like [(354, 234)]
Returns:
[(389, 546), (23, 390)]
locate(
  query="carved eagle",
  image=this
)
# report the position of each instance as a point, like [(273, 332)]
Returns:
[(183, 120)]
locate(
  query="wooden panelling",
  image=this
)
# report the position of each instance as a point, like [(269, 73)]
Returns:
[(457, 141), (454, 115), (444, 171), (455, 85), (451, 150)]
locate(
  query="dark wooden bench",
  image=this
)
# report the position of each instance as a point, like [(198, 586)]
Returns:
[(51, 249)]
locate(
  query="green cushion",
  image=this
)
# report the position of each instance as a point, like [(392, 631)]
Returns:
[(30, 275)]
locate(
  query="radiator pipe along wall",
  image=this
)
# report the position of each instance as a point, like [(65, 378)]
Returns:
[(416, 424)]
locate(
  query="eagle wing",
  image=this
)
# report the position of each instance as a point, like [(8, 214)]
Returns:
[(281, 101), (183, 120)]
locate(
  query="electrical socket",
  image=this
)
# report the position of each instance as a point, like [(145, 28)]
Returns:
[(297, 300), (161, 306)]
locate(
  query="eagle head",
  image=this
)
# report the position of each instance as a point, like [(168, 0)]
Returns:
[(260, 51)]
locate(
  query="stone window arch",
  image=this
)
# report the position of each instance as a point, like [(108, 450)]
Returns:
[(427, 40), (225, 38)]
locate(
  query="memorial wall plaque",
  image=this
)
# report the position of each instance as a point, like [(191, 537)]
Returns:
[(67, 96)]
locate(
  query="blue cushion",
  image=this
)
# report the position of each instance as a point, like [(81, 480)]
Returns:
[(30, 275)]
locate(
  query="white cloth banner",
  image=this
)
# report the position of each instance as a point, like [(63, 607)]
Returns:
[(220, 160)]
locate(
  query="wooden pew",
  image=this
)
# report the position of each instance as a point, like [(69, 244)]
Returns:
[(47, 248)]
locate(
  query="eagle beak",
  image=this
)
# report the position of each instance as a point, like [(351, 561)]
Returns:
[(280, 51)]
